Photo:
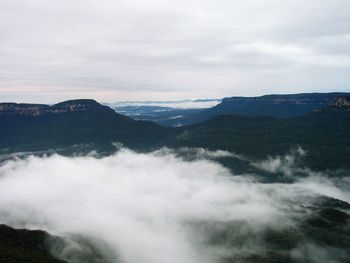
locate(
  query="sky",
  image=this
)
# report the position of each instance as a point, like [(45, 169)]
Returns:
[(116, 50)]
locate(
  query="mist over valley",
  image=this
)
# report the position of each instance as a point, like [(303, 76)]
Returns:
[(188, 131)]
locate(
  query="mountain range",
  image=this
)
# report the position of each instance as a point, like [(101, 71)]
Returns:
[(251, 128), (321, 128), (279, 106)]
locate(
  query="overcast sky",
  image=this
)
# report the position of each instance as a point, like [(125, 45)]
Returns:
[(114, 50)]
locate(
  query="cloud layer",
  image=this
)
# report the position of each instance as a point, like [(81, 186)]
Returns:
[(177, 104), (154, 207), (139, 50)]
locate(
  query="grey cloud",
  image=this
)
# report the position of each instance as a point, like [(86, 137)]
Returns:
[(116, 49), (287, 164)]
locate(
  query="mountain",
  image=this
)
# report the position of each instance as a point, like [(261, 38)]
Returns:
[(37, 246), (21, 245), (279, 106), (324, 134), (85, 125), (338, 105), (76, 122)]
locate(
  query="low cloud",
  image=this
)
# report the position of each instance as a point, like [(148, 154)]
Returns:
[(176, 104), (196, 153), (156, 207), (287, 164)]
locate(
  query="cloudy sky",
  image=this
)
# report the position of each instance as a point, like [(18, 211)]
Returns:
[(114, 50)]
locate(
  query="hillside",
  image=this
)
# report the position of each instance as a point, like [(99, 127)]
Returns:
[(323, 134), (21, 245), (85, 125), (77, 122), (279, 106), (321, 222)]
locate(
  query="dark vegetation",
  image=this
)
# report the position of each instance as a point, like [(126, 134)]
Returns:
[(36, 246), (319, 233), (325, 136), (29, 246), (278, 106), (85, 125), (94, 124)]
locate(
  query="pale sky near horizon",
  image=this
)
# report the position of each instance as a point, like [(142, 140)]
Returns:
[(115, 50)]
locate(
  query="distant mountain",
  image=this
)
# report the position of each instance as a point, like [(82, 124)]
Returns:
[(35, 110), (76, 122), (279, 106), (337, 105), (324, 134), (84, 125)]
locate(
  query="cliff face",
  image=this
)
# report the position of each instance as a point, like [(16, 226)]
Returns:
[(15, 109), (22, 109), (303, 98), (340, 104), (278, 106), (77, 122)]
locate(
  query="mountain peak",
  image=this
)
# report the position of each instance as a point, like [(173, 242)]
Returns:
[(81, 102), (79, 105), (11, 109), (75, 105)]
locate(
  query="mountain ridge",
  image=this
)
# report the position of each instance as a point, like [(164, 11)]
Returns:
[(324, 133), (10, 108), (68, 123), (275, 105)]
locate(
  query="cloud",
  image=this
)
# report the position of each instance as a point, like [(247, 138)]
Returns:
[(154, 207), (180, 104), (188, 153), (141, 50), (287, 164)]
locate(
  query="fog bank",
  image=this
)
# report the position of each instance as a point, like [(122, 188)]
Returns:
[(154, 207)]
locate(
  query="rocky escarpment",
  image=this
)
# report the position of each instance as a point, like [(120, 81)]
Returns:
[(28, 127), (342, 102), (298, 99), (339, 104), (278, 106), (15, 109)]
